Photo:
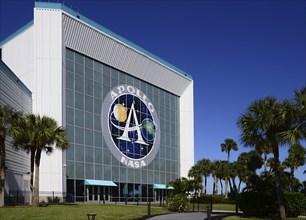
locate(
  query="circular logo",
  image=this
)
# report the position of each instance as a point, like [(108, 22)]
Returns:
[(130, 126)]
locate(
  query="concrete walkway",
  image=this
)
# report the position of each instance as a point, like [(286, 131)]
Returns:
[(181, 216)]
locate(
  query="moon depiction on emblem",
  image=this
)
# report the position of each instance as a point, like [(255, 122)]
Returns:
[(133, 125)]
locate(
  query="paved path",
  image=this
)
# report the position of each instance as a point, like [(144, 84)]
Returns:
[(181, 216)]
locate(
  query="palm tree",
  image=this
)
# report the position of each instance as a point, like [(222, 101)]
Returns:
[(39, 134), (296, 113), (296, 158), (8, 122), (260, 126), (205, 168), (227, 146), (181, 186), (195, 173)]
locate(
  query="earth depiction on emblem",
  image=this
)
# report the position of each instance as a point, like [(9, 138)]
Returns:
[(132, 126)]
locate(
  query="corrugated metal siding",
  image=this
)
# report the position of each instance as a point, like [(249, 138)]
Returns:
[(11, 94), (91, 42)]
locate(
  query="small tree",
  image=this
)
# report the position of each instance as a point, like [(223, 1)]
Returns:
[(39, 134), (9, 120), (227, 146)]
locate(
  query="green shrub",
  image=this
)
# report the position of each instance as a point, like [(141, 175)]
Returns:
[(178, 203), (265, 203), (258, 203), (295, 204)]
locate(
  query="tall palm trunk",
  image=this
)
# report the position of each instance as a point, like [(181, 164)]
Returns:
[(32, 173), (216, 185), (291, 179), (2, 167), (279, 191), (36, 182), (221, 186), (205, 183), (226, 178), (226, 186)]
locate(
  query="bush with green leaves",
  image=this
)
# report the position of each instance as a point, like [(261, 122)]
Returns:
[(265, 203), (258, 203), (295, 204), (178, 203)]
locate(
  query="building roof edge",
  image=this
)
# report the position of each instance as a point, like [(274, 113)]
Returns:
[(77, 15), (16, 33)]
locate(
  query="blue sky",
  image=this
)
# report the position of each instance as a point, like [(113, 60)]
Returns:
[(236, 51)]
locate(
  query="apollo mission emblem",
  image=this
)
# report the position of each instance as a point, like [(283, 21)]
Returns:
[(130, 126)]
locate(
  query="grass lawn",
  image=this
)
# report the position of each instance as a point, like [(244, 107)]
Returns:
[(223, 207), (78, 211)]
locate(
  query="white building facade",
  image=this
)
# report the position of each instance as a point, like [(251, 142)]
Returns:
[(129, 114)]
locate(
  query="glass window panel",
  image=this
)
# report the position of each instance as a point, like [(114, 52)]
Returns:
[(156, 164), (98, 172), (129, 80), (168, 169), (89, 154), (97, 106), (144, 177), (88, 87), (69, 116), (156, 177), (70, 133), (122, 77), (70, 169), (97, 90), (131, 175), (97, 122), (106, 90), (107, 172), (88, 103), (137, 176), (114, 82), (137, 83), (98, 77), (106, 156), (114, 73), (88, 73), (150, 177), (79, 153), (123, 174), (79, 100), (89, 137), (106, 70), (98, 155), (79, 58), (98, 139), (70, 55), (88, 62), (106, 80), (79, 85), (88, 120), (79, 170), (79, 135), (89, 170), (79, 69), (162, 178), (69, 98), (69, 66), (79, 118), (97, 66), (115, 162), (70, 152), (115, 173), (69, 80)]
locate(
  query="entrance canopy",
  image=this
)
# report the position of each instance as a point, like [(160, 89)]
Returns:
[(161, 186), (99, 183)]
